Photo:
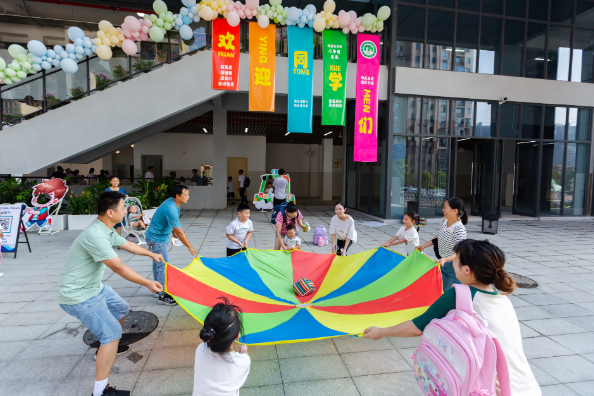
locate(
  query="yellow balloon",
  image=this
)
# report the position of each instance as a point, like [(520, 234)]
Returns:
[(225, 13), (104, 26), (206, 2), (215, 15), (334, 17), (322, 14), (101, 34), (119, 30), (121, 37), (113, 31), (219, 10), (108, 35), (214, 5), (328, 16), (224, 7), (119, 45), (335, 24), (106, 41), (104, 52), (97, 41), (220, 2), (115, 40), (328, 24)]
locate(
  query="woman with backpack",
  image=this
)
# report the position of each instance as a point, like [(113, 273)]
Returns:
[(478, 265), (342, 229), (289, 215)]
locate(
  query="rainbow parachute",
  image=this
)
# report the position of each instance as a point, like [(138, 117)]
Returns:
[(374, 288)]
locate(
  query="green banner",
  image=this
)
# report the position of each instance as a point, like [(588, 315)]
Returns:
[(335, 76)]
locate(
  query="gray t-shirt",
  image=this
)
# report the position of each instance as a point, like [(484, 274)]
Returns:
[(280, 187)]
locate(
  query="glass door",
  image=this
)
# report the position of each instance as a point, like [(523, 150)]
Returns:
[(485, 186), (526, 182)]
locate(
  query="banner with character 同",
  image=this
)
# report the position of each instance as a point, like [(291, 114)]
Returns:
[(262, 67), (335, 77), (366, 120), (10, 215), (225, 55), (300, 106)]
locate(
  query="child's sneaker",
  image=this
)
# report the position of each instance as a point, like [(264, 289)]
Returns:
[(156, 294), (111, 391), (166, 299)]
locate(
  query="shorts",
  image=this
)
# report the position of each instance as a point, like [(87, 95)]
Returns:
[(101, 314), (231, 252), (340, 245), (230, 195)]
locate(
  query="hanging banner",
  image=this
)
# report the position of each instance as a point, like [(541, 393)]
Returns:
[(262, 67), (366, 122), (301, 64), (225, 55), (335, 77), (10, 216)]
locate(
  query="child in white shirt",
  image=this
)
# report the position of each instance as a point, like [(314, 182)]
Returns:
[(342, 229), (239, 231), (218, 369), (409, 235), (292, 241)]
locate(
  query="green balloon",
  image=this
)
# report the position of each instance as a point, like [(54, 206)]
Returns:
[(26, 65), (279, 9), (22, 57), (259, 8), (379, 26), (384, 13), (169, 18), (270, 14), (160, 7), (163, 30), (16, 79), (156, 34), (368, 20), (284, 14), (2, 64), (21, 74), (2, 75), (160, 22), (266, 7), (15, 50), (162, 16), (169, 13), (153, 18), (7, 80), (280, 18), (275, 3), (29, 55), (276, 20), (167, 26), (10, 72), (14, 66), (32, 71)]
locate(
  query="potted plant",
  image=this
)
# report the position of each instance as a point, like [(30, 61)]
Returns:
[(83, 207)]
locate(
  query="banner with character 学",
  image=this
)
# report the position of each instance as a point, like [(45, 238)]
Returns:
[(300, 106), (225, 56), (335, 77), (366, 106), (262, 67)]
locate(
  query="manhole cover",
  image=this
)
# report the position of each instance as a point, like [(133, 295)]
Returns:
[(523, 282), (137, 325)]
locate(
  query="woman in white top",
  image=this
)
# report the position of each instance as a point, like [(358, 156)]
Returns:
[(452, 231), (218, 369), (479, 264), (342, 229), (409, 235)]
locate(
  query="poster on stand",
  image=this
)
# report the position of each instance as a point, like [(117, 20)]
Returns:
[(262, 67), (335, 77), (225, 55), (10, 216), (366, 104), (300, 108)]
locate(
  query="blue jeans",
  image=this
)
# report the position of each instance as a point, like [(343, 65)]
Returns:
[(101, 314), (448, 276), (161, 248)]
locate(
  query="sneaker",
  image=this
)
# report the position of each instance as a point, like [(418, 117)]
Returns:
[(111, 391), (121, 350), (156, 294), (166, 299)]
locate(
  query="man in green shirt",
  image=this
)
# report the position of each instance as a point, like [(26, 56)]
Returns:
[(82, 294)]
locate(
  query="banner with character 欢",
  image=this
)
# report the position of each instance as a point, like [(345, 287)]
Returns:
[(335, 77), (10, 215), (300, 108), (225, 55)]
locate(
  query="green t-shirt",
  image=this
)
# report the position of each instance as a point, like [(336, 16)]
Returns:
[(83, 270), (444, 304)]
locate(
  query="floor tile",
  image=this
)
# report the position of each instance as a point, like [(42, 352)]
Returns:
[(557, 390), (268, 390), (567, 368), (582, 388), (165, 382), (38, 369), (376, 362), (553, 326), (331, 387), (302, 349), (312, 368), (538, 347), (396, 384), (264, 372), (352, 344)]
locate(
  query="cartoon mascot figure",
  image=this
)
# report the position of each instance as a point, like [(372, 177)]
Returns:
[(39, 214)]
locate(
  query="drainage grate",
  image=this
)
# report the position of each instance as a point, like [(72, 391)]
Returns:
[(523, 282), (136, 326)]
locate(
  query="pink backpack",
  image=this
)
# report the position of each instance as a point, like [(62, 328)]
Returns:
[(320, 237), (458, 356)]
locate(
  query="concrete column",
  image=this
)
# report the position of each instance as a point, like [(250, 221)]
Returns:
[(219, 150), (327, 165)]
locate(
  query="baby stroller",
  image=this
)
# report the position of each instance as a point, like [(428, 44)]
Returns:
[(133, 234)]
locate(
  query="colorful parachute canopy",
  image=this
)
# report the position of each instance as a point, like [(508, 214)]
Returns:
[(374, 288)]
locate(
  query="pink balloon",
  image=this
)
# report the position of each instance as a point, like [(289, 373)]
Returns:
[(135, 34), (353, 15), (241, 14), (361, 29), (132, 24), (358, 21), (355, 30), (144, 29), (344, 19), (230, 7), (341, 12), (148, 23), (352, 26), (143, 36), (124, 26), (252, 4), (345, 30), (249, 17), (233, 18), (129, 47)]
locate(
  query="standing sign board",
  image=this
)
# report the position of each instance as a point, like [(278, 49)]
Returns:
[(10, 216)]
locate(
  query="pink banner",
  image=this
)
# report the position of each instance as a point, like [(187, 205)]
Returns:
[(366, 122)]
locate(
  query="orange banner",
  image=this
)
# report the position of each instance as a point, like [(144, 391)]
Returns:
[(225, 55), (262, 67)]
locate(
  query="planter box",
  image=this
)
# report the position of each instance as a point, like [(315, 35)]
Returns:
[(60, 222), (80, 222)]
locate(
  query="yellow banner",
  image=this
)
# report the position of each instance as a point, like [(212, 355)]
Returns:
[(262, 67)]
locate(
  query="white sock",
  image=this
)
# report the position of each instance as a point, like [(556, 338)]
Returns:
[(100, 387)]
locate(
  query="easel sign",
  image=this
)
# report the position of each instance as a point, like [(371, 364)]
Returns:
[(11, 223)]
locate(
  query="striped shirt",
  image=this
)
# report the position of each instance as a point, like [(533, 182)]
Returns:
[(448, 237), (279, 220)]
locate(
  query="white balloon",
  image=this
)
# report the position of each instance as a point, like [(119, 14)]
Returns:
[(263, 21)]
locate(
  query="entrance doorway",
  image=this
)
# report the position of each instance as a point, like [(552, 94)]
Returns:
[(155, 161), (234, 164)]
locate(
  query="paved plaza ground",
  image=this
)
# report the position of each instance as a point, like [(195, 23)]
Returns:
[(42, 351)]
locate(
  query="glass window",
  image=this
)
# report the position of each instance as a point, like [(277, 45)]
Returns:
[(400, 114), (513, 48), (413, 117), (468, 5), (440, 35), (410, 35), (486, 119), (561, 11), (531, 121), (434, 176), (444, 119), (583, 55), (352, 168), (463, 119), (558, 58), (466, 35), (509, 123), (378, 177), (515, 8), (579, 124), (443, 3), (537, 9), (584, 15), (429, 116), (490, 45), (405, 156), (576, 180), (535, 50), (554, 123), (493, 6), (551, 178)]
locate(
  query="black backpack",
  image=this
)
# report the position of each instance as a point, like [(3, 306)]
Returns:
[(246, 182)]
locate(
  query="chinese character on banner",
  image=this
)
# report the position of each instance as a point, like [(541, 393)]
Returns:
[(335, 79), (262, 76), (366, 125), (225, 55)]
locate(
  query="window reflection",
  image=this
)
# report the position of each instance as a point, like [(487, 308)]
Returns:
[(431, 112), (463, 116), (584, 14), (434, 161), (486, 119), (513, 48), (561, 11), (515, 8), (554, 124), (535, 50), (466, 35), (551, 178), (537, 9), (493, 6), (576, 168), (410, 36), (405, 155), (583, 56), (413, 118), (531, 121), (400, 114), (468, 5), (558, 57), (440, 38), (579, 124), (510, 120), (490, 45)]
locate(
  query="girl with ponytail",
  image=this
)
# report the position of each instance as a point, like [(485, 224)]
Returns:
[(408, 233), (218, 369), (479, 264)]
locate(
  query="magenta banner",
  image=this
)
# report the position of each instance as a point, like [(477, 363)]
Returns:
[(366, 122)]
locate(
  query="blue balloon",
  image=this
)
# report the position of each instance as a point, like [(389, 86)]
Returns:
[(56, 63), (293, 14), (78, 41), (58, 57), (189, 3), (186, 32), (51, 54), (36, 59), (69, 66), (186, 20), (69, 48), (183, 11), (310, 17), (37, 48), (196, 18), (71, 55), (177, 27), (190, 15), (43, 58), (75, 33), (194, 10), (179, 22), (63, 54), (88, 51), (50, 60), (310, 23), (94, 48), (58, 49), (303, 19), (79, 49), (46, 65), (87, 43), (37, 66), (79, 56), (301, 24), (311, 8)]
